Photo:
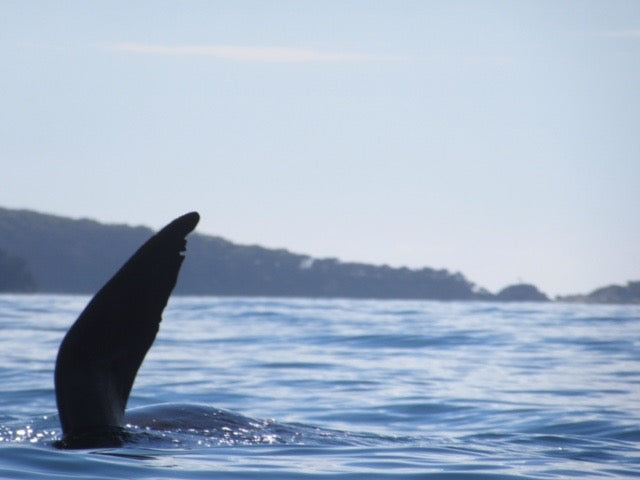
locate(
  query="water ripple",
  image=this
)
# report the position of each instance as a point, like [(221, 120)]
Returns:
[(345, 389)]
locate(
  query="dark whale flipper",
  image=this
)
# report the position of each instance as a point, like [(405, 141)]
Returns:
[(102, 352)]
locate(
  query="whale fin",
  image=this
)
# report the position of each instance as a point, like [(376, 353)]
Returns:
[(99, 357)]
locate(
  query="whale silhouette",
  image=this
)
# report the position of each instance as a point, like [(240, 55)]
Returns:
[(101, 353)]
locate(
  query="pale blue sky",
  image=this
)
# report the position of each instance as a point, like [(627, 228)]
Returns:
[(499, 139)]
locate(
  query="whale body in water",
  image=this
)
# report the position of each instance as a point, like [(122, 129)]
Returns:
[(101, 353)]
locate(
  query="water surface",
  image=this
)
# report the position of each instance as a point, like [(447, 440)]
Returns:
[(297, 388)]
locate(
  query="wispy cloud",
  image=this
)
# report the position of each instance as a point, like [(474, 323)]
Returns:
[(624, 34), (251, 54)]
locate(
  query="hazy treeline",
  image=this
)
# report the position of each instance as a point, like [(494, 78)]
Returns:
[(63, 255), (48, 253), (629, 293)]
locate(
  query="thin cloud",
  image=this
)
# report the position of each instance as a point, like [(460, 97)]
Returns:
[(250, 54), (624, 34)]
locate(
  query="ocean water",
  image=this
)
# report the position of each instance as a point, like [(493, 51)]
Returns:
[(255, 388)]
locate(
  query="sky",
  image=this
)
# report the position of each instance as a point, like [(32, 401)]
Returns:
[(500, 139)]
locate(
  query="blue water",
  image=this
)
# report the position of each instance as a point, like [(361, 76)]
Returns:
[(349, 389)]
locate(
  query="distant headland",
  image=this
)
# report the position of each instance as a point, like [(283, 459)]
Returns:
[(54, 254)]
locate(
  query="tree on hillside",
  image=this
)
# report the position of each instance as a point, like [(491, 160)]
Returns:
[(14, 274)]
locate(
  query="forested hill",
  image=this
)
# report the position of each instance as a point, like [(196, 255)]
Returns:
[(50, 253)]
